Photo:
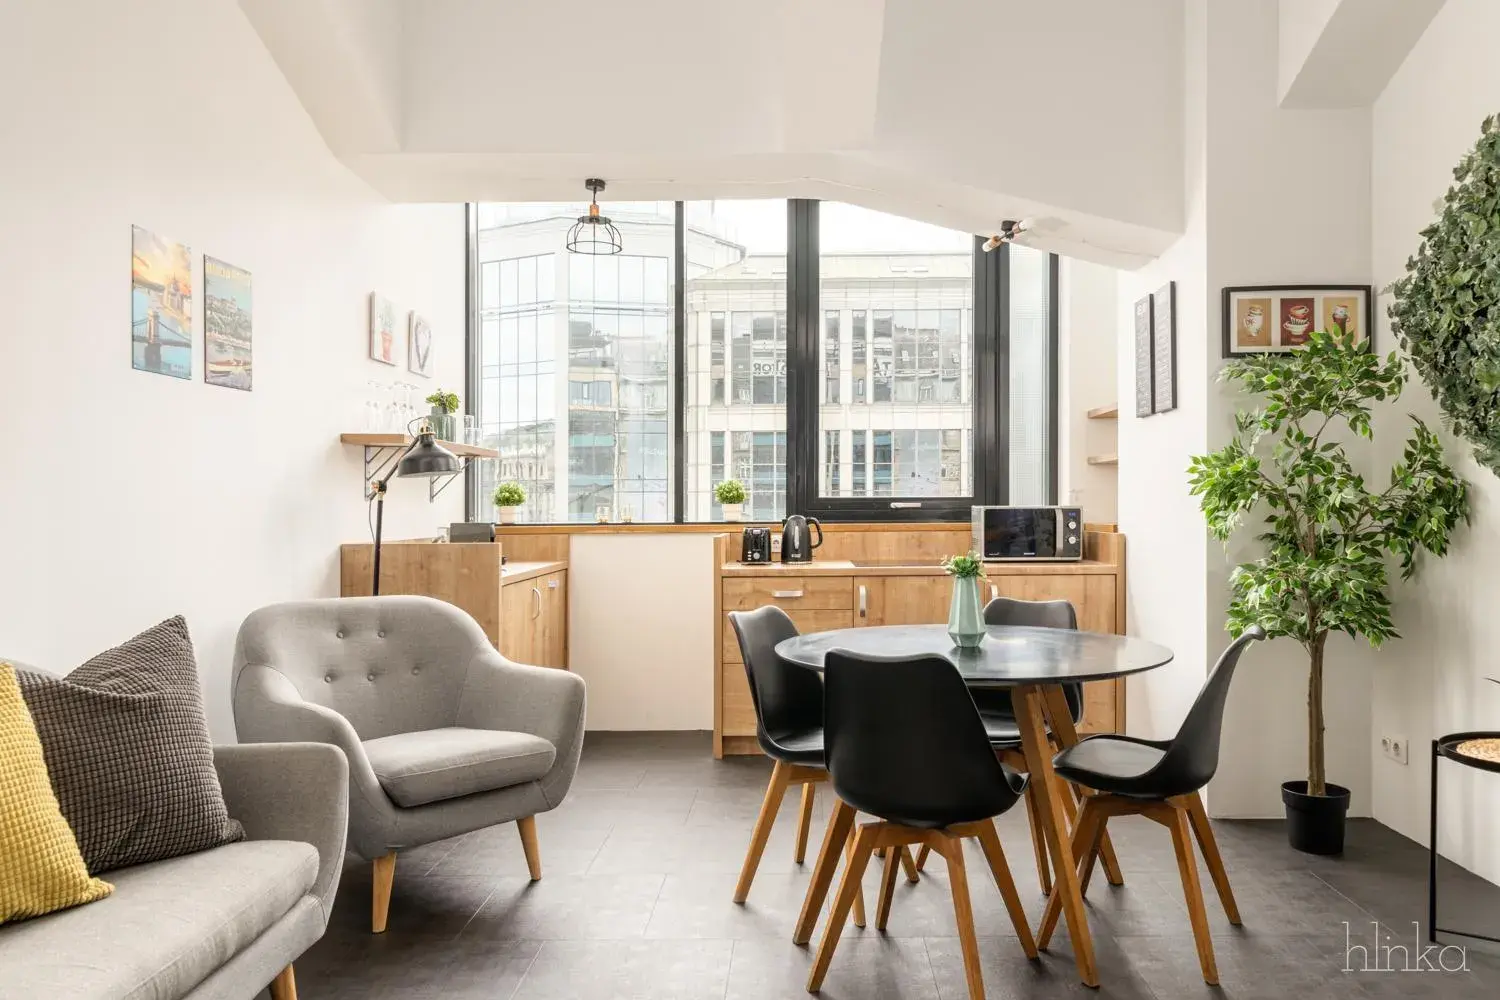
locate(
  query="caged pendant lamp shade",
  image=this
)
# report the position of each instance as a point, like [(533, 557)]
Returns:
[(594, 233)]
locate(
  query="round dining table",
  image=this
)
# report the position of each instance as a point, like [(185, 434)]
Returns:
[(1033, 663)]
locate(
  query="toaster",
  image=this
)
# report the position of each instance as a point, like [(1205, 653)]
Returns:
[(755, 545)]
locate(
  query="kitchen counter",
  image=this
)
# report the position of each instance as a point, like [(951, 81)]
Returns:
[(832, 567), (515, 572)]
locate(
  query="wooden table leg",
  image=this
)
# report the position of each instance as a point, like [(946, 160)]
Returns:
[(1027, 699), (1066, 736)]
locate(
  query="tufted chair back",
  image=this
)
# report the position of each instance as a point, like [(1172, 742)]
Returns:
[(386, 664)]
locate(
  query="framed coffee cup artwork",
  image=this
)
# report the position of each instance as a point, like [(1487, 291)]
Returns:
[(1275, 319)]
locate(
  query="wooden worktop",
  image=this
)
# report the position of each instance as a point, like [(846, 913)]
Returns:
[(831, 567), (515, 572)]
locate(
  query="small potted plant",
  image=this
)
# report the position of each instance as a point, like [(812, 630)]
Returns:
[(965, 620), (444, 405), (731, 496), (508, 496)]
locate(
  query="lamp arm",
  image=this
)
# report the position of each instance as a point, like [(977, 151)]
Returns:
[(379, 486)]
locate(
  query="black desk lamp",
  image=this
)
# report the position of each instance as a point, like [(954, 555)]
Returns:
[(424, 458)]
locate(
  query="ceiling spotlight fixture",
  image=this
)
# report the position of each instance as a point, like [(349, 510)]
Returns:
[(1009, 230), (594, 233)]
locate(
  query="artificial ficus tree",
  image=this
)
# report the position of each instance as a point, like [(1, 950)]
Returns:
[(1327, 535)]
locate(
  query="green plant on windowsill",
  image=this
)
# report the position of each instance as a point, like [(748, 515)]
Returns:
[(447, 402), (730, 491), (509, 495), (1328, 536)]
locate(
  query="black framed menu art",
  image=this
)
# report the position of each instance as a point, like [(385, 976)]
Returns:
[(1274, 319), (1143, 351)]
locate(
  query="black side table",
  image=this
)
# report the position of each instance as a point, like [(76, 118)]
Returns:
[(1447, 746)]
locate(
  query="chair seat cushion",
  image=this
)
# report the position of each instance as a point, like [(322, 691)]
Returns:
[(802, 746), (168, 925), (435, 764), (1110, 764)]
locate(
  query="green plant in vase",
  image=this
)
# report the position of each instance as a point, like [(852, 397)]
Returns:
[(1328, 536), (731, 496), (965, 619), (444, 406), (507, 497)]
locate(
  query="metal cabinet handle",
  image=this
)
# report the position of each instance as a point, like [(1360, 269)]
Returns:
[(905, 504), (994, 592), (863, 603), (538, 595), (786, 593)]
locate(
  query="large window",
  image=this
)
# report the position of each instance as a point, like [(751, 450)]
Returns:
[(836, 360)]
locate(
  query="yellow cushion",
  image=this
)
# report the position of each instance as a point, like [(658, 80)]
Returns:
[(41, 869)]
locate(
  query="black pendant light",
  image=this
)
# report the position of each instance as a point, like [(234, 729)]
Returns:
[(594, 233)]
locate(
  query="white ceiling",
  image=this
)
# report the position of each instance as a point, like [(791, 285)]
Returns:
[(958, 112)]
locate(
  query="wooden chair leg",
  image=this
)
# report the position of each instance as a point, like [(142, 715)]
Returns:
[(893, 856), (828, 862), (922, 857), (963, 912), (1187, 866), (527, 826), (1210, 848), (769, 807), (380, 900), (849, 890), (284, 986), (989, 840), (804, 820), (1038, 840), (908, 864), (859, 893), (1083, 834)]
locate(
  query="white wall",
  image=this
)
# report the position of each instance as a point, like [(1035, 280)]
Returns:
[(1278, 219), (1087, 303), (1431, 682), (143, 496)]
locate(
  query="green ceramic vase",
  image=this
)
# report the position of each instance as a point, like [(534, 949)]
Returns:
[(965, 620)]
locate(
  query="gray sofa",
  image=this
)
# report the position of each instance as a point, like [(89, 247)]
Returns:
[(216, 925), (443, 734)]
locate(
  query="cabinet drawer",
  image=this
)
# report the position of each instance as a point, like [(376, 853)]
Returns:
[(738, 717), (806, 621), (808, 593)]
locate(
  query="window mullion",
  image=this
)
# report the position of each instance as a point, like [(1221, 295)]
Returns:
[(803, 372)]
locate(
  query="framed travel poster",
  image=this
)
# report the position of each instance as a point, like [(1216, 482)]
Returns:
[(226, 324), (1274, 319), (1164, 348), (161, 305)]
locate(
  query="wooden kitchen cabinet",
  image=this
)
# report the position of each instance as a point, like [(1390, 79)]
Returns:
[(901, 600), (534, 620)]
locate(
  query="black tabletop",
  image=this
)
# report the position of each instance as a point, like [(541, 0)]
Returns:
[(1008, 655)]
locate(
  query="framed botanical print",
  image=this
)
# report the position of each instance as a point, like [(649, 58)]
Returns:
[(1274, 319)]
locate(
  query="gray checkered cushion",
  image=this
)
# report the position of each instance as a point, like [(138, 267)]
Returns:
[(127, 748)]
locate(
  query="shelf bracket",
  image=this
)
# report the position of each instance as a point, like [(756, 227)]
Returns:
[(378, 462)]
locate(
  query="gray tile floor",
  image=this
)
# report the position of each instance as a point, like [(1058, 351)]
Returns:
[(640, 864)]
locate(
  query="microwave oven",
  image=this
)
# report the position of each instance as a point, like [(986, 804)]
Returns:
[(1048, 534)]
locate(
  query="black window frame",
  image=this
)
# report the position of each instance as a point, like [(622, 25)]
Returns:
[(805, 380)]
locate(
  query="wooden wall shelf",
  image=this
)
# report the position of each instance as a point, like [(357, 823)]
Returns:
[(382, 450), (1109, 412), (1104, 459)]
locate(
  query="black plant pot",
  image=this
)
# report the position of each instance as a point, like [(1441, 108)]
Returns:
[(1315, 823)]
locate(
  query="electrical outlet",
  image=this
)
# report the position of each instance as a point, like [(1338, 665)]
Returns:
[(1395, 748)]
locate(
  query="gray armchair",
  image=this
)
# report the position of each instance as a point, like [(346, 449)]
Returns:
[(443, 734)]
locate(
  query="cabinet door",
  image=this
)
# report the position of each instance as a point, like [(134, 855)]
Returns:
[(554, 621), (1092, 596), (520, 603), (902, 600)]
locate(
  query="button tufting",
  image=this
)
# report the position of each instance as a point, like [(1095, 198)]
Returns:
[(369, 677), (381, 633), (416, 670), (339, 633), (327, 678)]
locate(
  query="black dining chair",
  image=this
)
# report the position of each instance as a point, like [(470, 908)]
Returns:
[(929, 777), (1000, 724), (1159, 779), (788, 702)]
